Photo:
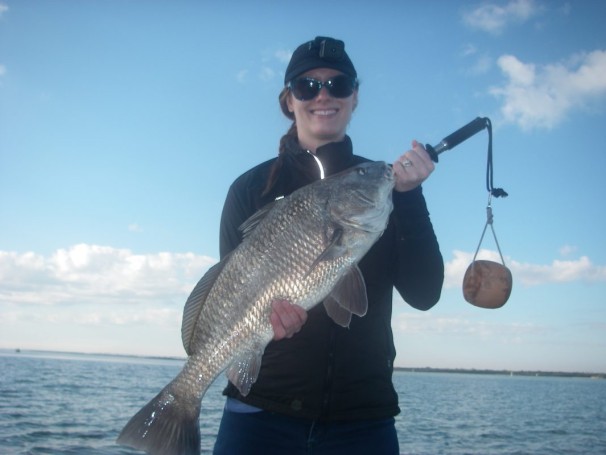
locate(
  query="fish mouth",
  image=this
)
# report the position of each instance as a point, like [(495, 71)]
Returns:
[(374, 220), (390, 174), (361, 196)]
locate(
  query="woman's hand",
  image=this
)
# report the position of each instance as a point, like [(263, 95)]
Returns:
[(412, 168), (286, 319)]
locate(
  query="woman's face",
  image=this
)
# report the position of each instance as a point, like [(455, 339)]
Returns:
[(324, 118)]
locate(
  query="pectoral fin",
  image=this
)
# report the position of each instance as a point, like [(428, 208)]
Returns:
[(348, 296), (333, 250), (337, 313)]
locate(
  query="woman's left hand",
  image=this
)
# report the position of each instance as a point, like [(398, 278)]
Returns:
[(412, 168)]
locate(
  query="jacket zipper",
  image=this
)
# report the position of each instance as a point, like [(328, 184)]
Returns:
[(324, 411), (319, 164)]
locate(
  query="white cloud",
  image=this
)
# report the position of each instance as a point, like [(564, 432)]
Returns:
[(241, 76), (493, 18), (482, 65), (89, 316), (559, 271), (567, 250), (266, 73), (271, 65), (3, 9), (468, 50), (481, 62), (2, 70), (93, 314), (100, 275), (424, 323), (542, 96), (578, 270), (283, 55), (84, 274)]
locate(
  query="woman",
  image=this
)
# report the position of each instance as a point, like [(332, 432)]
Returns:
[(323, 389)]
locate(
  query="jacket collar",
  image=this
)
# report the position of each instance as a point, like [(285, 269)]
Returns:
[(335, 157), (299, 167)]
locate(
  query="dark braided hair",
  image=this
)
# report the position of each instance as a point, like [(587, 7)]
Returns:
[(290, 135)]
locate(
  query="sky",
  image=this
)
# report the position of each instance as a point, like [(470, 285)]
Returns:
[(123, 123)]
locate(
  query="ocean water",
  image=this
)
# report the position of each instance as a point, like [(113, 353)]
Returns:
[(52, 403)]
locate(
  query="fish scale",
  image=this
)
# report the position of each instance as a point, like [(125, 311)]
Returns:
[(303, 249)]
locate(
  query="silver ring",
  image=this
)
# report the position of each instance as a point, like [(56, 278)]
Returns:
[(405, 163)]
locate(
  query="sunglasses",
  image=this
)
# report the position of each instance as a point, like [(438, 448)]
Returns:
[(307, 88)]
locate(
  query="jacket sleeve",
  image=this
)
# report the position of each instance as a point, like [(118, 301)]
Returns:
[(236, 210), (419, 271)]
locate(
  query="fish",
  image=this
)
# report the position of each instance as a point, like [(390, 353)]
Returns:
[(303, 248)]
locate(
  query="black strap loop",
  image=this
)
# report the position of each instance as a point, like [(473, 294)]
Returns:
[(496, 192)]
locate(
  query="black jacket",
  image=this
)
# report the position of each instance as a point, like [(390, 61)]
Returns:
[(325, 371)]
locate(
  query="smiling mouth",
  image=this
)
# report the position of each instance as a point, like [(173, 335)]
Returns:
[(324, 112)]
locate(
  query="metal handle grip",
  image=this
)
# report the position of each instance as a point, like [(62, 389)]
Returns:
[(454, 139)]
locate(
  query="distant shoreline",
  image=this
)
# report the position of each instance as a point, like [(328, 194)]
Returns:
[(560, 374), (535, 373)]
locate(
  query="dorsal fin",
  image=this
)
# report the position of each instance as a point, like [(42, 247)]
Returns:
[(195, 303), (253, 221)]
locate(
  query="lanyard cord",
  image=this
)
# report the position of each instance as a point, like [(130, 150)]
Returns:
[(496, 192), (489, 220)]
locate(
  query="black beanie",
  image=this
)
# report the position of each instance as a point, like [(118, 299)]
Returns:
[(322, 52)]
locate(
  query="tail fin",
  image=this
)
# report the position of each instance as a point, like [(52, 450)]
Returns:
[(164, 426)]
